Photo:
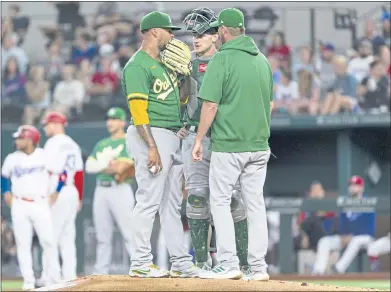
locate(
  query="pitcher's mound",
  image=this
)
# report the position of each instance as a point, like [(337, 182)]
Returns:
[(125, 283)]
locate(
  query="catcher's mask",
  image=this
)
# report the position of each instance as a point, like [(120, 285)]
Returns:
[(199, 19)]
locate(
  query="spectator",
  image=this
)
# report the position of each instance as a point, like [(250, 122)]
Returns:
[(14, 83), (341, 95), (373, 92), (124, 54), (371, 36), (9, 49), (107, 51), (54, 64), (308, 101), (314, 225), (68, 20), (20, 24), (107, 13), (304, 63), (83, 49), (38, 95), (274, 64), (69, 93), (286, 93), (325, 68), (384, 53), (356, 231), (359, 66), (280, 50), (84, 74), (6, 28), (105, 82), (386, 28)]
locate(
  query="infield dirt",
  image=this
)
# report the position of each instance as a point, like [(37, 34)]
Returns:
[(125, 283)]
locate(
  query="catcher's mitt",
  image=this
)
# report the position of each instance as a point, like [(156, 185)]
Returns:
[(124, 169), (177, 57)]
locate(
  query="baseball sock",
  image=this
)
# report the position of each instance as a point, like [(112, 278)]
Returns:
[(241, 238), (199, 229)]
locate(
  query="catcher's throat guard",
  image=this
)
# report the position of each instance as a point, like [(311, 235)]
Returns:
[(198, 21)]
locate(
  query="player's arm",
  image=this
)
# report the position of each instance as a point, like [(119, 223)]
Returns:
[(136, 87), (211, 92), (6, 172), (96, 164)]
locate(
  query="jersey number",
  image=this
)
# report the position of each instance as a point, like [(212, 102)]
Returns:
[(70, 163)]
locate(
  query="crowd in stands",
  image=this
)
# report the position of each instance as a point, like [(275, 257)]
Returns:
[(84, 60), (326, 83)]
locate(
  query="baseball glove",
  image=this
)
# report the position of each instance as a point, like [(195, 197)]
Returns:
[(124, 169), (177, 57)]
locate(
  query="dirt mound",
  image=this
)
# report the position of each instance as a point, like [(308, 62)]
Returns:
[(125, 283)]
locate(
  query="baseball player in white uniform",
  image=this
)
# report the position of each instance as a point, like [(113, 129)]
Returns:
[(378, 248), (64, 156), (28, 198)]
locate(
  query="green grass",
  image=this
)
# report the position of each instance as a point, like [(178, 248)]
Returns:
[(11, 285), (375, 284)]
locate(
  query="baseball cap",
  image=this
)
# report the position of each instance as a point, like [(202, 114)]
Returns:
[(116, 113), (157, 19), (356, 180), (328, 47), (229, 17)]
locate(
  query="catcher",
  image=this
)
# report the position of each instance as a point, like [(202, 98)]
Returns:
[(113, 198), (205, 41)]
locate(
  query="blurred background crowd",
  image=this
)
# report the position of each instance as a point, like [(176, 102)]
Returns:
[(80, 69)]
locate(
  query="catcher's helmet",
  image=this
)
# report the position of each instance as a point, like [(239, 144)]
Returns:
[(55, 117), (28, 132), (199, 19)]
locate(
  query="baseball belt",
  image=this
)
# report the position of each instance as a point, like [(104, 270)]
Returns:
[(106, 184), (27, 199)]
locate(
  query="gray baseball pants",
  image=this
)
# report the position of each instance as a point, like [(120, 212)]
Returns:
[(250, 168), (158, 193)]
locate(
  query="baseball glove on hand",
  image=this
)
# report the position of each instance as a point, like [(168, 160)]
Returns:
[(177, 57), (124, 170)]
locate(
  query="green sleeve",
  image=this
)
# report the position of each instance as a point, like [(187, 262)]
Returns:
[(271, 84), (94, 151), (124, 155), (214, 79), (135, 82)]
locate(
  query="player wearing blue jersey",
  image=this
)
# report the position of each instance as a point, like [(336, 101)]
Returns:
[(356, 231)]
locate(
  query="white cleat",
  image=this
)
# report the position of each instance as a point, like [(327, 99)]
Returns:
[(221, 272), (151, 271), (249, 275), (192, 272)]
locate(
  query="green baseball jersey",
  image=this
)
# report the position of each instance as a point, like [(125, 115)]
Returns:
[(145, 78), (239, 79), (112, 148), (198, 72)]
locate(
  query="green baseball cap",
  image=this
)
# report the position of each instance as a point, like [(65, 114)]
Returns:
[(229, 17), (116, 113), (157, 19)]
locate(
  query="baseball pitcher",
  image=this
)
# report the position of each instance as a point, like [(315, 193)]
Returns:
[(153, 98), (237, 95), (113, 198), (356, 231), (28, 198), (197, 174), (64, 158)]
